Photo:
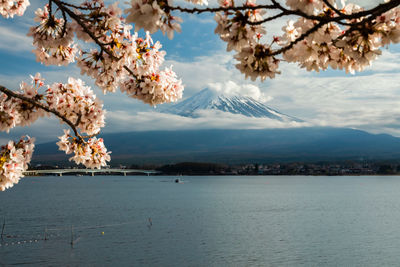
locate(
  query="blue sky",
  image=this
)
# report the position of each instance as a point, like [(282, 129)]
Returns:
[(368, 100)]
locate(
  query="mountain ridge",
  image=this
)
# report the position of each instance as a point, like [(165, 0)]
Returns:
[(240, 146), (207, 99)]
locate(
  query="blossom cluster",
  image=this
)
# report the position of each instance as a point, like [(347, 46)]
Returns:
[(16, 112), (153, 15), (120, 58), (53, 39), (72, 101), (244, 38), (309, 7), (9, 8), (154, 86), (331, 44), (92, 153), (14, 160), (350, 48), (76, 102)]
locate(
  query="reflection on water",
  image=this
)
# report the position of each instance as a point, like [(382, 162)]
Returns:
[(203, 221)]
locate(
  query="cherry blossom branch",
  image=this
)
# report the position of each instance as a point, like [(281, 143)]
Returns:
[(322, 20), (61, 5), (328, 4), (220, 9), (266, 19), (78, 7), (33, 102), (372, 13), (64, 30), (382, 8), (366, 16), (299, 39), (50, 7), (78, 120), (287, 12)]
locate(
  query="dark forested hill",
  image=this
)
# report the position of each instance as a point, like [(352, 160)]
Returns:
[(240, 146)]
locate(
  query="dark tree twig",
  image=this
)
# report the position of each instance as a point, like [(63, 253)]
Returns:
[(37, 104)]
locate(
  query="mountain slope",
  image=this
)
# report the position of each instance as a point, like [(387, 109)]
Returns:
[(209, 100), (240, 146)]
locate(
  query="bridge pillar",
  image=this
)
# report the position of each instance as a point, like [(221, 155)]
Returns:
[(124, 173), (92, 173), (60, 174)]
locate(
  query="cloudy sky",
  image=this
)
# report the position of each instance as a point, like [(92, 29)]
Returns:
[(369, 100)]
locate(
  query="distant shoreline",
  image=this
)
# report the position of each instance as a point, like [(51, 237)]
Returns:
[(349, 168), (188, 175)]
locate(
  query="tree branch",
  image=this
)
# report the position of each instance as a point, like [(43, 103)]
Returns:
[(299, 39), (64, 8), (266, 19), (219, 9), (328, 4), (78, 120), (369, 14), (74, 16), (78, 7), (33, 102), (64, 30), (379, 9), (341, 17)]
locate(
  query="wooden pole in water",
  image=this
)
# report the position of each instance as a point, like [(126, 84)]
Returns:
[(45, 233), (2, 229), (72, 236)]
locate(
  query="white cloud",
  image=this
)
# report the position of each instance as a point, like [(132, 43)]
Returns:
[(200, 72), (14, 41), (43, 130), (231, 88), (208, 119), (387, 62)]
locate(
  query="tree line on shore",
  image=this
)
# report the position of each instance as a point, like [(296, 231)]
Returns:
[(291, 168)]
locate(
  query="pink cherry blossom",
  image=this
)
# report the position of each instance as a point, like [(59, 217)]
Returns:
[(9, 8), (53, 39), (152, 16), (92, 154), (77, 103), (255, 62), (14, 160)]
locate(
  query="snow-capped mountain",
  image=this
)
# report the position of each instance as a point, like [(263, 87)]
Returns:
[(209, 100)]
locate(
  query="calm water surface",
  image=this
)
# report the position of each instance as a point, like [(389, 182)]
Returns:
[(206, 221)]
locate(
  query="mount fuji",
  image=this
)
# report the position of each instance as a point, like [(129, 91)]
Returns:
[(210, 100)]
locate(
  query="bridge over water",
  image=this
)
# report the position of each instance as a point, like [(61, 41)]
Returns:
[(60, 172)]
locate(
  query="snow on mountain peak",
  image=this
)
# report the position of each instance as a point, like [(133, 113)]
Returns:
[(208, 99)]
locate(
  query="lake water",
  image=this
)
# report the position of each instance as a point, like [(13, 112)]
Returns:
[(204, 221)]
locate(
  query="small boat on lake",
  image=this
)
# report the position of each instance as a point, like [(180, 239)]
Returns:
[(178, 181)]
